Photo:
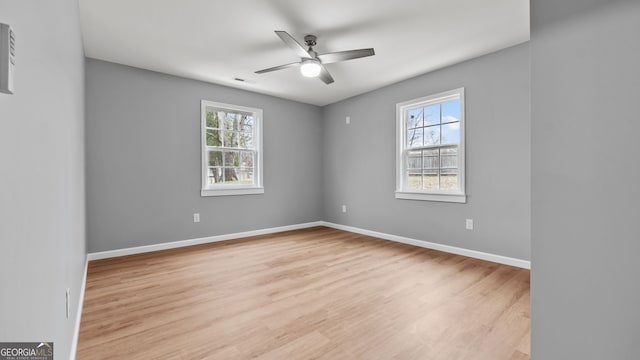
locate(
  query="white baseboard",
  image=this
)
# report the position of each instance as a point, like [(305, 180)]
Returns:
[(401, 239), (76, 330), (197, 241), (435, 246)]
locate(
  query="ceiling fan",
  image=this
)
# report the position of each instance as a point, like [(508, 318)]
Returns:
[(311, 64)]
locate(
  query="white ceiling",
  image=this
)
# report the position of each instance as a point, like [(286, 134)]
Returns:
[(219, 40)]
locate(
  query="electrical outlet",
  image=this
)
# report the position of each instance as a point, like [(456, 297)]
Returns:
[(469, 224), (344, 208), (196, 217), (68, 302), (348, 120)]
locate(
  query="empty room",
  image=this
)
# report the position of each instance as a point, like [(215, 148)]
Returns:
[(319, 180)]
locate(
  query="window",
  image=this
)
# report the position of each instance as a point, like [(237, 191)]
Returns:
[(430, 148), (231, 150)]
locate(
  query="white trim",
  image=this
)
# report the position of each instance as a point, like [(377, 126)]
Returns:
[(525, 264), (197, 241), (438, 195), (440, 247), (454, 198), (76, 329), (231, 191)]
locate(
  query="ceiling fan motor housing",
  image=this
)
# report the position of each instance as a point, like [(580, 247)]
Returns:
[(310, 40)]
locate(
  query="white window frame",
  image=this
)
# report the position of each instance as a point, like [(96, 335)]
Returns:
[(231, 189), (402, 192)]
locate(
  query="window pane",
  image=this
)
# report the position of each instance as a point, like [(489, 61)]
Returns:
[(449, 181), (430, 161), (432, 135), (231, 158), (236, 122), (248, 120), (215, 158), (219, 119), (451, 111), (230, 175), (237, 176), (245, 176), (229, 121), (449, 158), (414, 118), (414, 181), (246, 127), (246, 159), (449, 169), (430, 180), (414, 137), (451, 133), (432, 115), (231, 139), (213, 138), (245, 140), (212, 119), (215, 175), (414, 159)]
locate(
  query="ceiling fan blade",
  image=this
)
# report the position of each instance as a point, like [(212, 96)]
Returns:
[(325, 76), (345, 55), (293, 44), (277, 68)]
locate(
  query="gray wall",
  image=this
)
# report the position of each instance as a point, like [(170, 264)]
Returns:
[(42, 203), (359, 159), (586, 201), (143, 160)]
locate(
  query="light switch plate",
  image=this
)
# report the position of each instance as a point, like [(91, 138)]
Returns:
[(7, 58)]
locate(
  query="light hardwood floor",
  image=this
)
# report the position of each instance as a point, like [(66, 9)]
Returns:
[(317, 293)]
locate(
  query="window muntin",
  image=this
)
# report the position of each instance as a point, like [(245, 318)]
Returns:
[(231, 149), (430, 163)]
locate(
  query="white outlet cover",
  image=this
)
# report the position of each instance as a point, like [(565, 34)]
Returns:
[(344, 208), (196, 217), (469, 224), (348, 120)]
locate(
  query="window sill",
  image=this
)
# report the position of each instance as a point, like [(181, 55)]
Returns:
[(231, 191), (453, 198)]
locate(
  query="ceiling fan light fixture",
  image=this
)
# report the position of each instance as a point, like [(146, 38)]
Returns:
[(311, 64), (310, 68)]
